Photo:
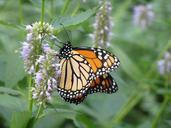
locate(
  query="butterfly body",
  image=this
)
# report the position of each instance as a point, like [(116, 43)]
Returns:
[(65, 51), (85, 71)]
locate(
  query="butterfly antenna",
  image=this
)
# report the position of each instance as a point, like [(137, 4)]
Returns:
[(55, 39), (65, 31), (58, 46)]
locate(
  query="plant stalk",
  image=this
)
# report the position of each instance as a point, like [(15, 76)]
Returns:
[(39, 112), (43, 11), (30, 106), (163, 105), (20, 12)]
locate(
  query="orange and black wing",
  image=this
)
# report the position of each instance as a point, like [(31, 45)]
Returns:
[(101, 61), (76, 77), (81, 69), (104, 83), (76, 100)]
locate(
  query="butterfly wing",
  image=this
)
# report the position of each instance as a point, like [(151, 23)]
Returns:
[(76, 77), (76, 100), (83, 67), (101, 61), (104, 83)]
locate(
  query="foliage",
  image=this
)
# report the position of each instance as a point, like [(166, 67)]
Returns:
[(143, 98)]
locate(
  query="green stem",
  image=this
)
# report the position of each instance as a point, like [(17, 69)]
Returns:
[(43, 11), (133, 100), (20, 12), (52, 9), (76, 9), (66, 5), (30, 94), (39, 112), (161, 111), (120, 116), (163, 106), (40, 109)]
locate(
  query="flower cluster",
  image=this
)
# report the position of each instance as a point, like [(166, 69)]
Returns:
[(31, 47), (47, 77), (164, 65), (103, 24), (143, 16), (40, 61)]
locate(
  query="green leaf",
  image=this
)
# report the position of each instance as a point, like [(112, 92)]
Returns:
[(164, 91), (11, 25), (11, 69), (105, 114), (127, 64), (20, 119), (9, 91), (2, 2), (145, 124), (65, 7), (11, 64), (54, 117), (36, 3), (12, 102), (49, 121), (85, 121), (63, 112), (168, 123), (9, 104), (73, 20)]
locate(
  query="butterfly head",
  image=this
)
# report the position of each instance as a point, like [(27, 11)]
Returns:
[(65, 51)]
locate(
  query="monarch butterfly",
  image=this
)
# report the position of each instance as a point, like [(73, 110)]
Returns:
[(85, 71)]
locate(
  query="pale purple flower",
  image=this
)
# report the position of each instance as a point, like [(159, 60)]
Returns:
[(164, 65), (31, 70), (29, 37), (29, 28), (34, 95), (41, 59), (58, 72), (48, 94), (143, 16), (161, 67), (38, 78), (25, 51), (168, 66), (46, 78), (52, 83), (103, 25), (49, 83), (46, 48), (42, 93)]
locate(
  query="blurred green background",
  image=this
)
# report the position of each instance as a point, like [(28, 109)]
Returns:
[(143, 98)]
